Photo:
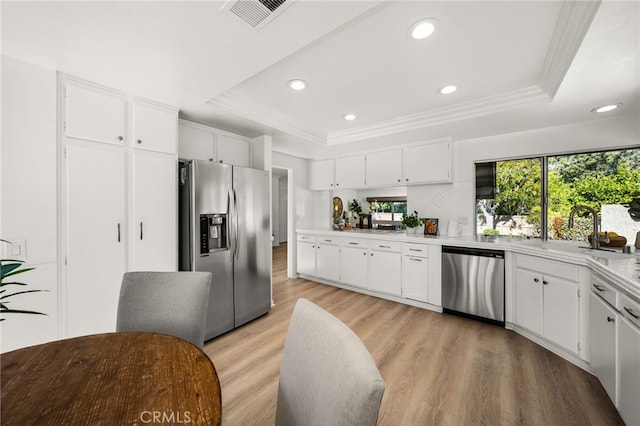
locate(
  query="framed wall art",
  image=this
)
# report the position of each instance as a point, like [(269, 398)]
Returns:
[(430, 226)]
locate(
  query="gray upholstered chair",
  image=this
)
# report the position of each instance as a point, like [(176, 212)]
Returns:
[(327, 375), (173, 303)]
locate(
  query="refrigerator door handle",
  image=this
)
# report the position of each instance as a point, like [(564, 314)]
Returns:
[(235, 224), (230, 206)]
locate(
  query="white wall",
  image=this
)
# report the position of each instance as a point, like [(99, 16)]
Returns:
[(283, 232), (28, 194)]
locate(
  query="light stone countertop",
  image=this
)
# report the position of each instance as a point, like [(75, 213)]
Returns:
[(623, 270)]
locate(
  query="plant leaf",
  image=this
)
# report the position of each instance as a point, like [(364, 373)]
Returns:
[(12, 282), (20, 311), (21, 292), (12, 271)]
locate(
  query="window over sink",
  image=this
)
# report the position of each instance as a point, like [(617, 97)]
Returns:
[(533, 197)]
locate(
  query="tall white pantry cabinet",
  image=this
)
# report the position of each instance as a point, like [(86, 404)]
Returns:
[(118, 199)]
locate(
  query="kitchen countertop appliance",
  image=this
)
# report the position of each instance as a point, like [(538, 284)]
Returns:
[(473, 283), (224, 229)]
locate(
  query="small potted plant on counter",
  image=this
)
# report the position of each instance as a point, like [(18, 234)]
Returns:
[(411, 222)]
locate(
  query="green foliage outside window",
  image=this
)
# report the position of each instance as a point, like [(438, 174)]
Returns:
[(591, 179)]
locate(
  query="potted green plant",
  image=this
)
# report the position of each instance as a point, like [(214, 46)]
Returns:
[(355, 207), (411, 221), (11, 268)]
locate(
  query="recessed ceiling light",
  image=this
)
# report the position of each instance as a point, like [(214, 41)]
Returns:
[(447, 90), (297, 84), (424, 28), (350, 117), (606, 108)]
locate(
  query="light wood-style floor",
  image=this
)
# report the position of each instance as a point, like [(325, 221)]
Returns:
[(438, 369)]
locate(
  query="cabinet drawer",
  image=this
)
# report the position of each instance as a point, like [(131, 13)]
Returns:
[(605, 291), (415, 250), (549, 267), (386, 246), (328, 240), (307, 237), (630, 309), (361, 243)]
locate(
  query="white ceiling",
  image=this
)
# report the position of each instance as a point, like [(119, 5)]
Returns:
[(518, 65)]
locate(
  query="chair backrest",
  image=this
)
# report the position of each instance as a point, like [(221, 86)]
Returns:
[(327, 376), (173, 303)]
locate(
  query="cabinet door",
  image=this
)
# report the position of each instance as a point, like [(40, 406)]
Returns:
[(529, 300), (629, 353), (154, 213), (349, 172), (321, 175), (385, 272), (384, 168), (196, 144), (327, 262), (354, 266), (427, 163), (231, 150), (602, 349), (306, 258), (95, 197), (155, 128), (94, 114), (415, 281), (560, 312)]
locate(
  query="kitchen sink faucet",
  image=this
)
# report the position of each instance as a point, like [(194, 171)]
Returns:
[(595, 239)]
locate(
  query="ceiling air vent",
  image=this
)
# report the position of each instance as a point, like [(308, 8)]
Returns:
[(256, 13)]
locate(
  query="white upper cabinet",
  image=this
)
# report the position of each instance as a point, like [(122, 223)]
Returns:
[(321, 175), (384, 168), (94, 114), (196, 143), (350, 172), (154, 127), (233, 150), (428, 163)]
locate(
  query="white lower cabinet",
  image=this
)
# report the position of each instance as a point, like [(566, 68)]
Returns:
[(547, 300), (328, 259), (390, 268), (603, 321), (415, 272), (629, 359), (319, 257), (614, 331), (354, 262), (385, 267), (306, 255)]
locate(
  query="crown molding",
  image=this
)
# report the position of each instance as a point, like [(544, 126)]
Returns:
[(248, 109), (571, 27), (467, 110)]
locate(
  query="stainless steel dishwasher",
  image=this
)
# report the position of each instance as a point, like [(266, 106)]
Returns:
[(473, 283)]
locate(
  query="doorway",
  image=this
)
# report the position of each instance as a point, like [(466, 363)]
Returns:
[(281, 219)]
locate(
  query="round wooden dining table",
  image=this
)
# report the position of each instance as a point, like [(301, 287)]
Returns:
[(131, 378)]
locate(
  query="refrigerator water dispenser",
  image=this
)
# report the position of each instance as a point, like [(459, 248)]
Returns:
[(213, 233)]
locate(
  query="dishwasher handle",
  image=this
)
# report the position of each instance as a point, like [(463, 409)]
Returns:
[(498, 254)]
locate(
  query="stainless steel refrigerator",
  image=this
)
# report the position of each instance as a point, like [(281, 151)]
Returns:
[(224, 229)]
